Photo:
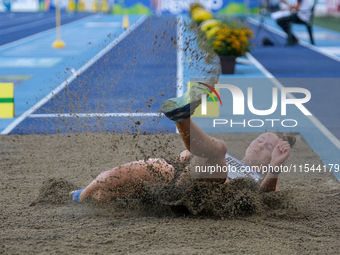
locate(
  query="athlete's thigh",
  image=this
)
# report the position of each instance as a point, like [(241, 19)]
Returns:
[(157, 170), (154, 170)]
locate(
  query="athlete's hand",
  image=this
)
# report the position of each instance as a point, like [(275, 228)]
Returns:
[(280, 153)]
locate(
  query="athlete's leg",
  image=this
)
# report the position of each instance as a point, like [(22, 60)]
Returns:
[(181, 108), (285, 24), (127, 180), (198, 142), (207, 150)]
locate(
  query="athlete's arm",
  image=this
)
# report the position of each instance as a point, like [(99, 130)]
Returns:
[(279, 155)]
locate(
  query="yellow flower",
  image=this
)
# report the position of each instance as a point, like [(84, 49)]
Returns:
[(228, 38), (243, 38), (220, 37), (212, 32), (195, 6), (209, 24), (196, 9), (201, 15), (243, 33)]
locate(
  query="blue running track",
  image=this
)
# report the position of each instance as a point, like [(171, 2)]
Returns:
[(113, 85), (15, 26), (299, 66)]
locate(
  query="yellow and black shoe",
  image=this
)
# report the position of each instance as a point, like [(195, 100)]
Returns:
[(179, 108)]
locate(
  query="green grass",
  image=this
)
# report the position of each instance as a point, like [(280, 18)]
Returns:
[(135, 9), (233, 8), (328, 22)]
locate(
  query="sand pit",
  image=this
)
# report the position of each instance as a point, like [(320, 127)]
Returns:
[(38, 171)]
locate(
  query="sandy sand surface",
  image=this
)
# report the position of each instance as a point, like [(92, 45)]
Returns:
[(36, 216)]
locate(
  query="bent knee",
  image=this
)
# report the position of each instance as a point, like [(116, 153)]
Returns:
[(184, 157)]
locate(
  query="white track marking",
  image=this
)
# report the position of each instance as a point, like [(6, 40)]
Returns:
[(260, 66), (180, 81), (330, 50), (283, 34), (28, 25), (90, 115), (17, 121), (37, 35), (22, 19), (313, 47), (244, 61), (179, 84), (312, 118)]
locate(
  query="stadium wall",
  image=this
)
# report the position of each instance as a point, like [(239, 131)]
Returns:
[(131, 6), (323, 8)]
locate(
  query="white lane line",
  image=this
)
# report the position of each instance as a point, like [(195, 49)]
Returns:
[(244, 61), (15, 20), (115, 24), (283, 34), (330, 50), (269, 28), (313, 47), (179, 84), (17, 121), (37, 35), (260, 67), (28, 25), (312, 118), (180, 81), (90, 115)]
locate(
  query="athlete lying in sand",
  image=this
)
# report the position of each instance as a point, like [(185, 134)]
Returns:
[(269, 149)]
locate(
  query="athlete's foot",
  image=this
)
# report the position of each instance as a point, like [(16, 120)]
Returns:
[(75, 195), (292, 42), (179, 108)]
